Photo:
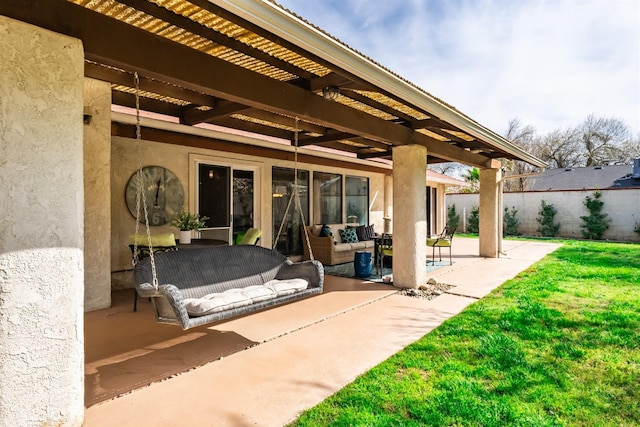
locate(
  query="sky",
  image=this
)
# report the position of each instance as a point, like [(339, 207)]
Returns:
[(547, 63)]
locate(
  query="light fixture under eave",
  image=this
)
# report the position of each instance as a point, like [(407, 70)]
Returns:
[(330, 93)]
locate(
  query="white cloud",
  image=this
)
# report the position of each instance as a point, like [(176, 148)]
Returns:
[(549, 63)]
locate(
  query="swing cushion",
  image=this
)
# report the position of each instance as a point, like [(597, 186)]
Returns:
[(256, 293), (213, 303), (288, 286), (238, 297)]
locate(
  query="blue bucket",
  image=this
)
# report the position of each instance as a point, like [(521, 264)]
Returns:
[(362, 264)]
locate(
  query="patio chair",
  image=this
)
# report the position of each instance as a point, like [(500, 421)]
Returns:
[(443, 240), (251, 237), (384, 250)]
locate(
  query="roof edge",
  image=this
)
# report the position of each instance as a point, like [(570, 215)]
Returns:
[(282, 23)]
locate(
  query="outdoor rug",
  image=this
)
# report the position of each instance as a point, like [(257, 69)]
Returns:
[(347, 270)]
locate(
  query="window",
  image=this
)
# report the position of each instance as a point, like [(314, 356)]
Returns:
[(357, 199), (327, 193), (290, 241)]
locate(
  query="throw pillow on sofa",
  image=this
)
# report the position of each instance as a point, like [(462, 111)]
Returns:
[(364, 232), (325, 231), (348, 235), (369, 232)]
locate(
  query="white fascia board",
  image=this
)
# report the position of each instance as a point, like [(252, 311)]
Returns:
[(276, 20)]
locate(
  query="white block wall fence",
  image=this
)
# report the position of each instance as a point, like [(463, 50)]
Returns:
[(622, 205)]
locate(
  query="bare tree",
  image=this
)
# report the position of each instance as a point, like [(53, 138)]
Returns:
[(630, 150), (448, 168), (597, 141), (524, 137), (603, 140), (560, 149)]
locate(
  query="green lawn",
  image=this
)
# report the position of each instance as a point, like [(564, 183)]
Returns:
[(559, 345)]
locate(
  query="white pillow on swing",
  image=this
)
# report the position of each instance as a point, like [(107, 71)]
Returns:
[(287, 286), (213, 303), (256, 293)]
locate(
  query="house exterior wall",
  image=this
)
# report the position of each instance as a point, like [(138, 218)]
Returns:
[(176, 158), (41, 227), (97, 201), (622, 205)]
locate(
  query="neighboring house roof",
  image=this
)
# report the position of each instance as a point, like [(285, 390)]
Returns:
[(584, 178)]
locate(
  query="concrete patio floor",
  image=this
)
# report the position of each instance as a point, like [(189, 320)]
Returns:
[(266, 368)]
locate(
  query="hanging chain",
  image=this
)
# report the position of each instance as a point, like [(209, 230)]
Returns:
[(296, 192), (286, 212), (140, 191), (295, 196)]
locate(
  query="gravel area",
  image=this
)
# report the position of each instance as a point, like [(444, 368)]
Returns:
[(431, 290)]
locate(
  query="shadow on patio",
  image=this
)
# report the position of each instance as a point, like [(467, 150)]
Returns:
[(126, 350), (307, 350)]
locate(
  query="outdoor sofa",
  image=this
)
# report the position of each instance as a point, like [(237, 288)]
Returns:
[(331, 250)]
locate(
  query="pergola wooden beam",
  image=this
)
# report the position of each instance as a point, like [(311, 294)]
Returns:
[(214, 36), (147, 104), (134, 49), (432, 123), (449, 136), (287, 121), (324, 139), (377, 105), (362, 154), (371, 144), (335, 79), (123, 78), (223, 13), (257, 128), (192, 115)]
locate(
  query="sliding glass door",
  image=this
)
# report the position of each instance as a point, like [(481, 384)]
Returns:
[(226, 194), (243, 202)]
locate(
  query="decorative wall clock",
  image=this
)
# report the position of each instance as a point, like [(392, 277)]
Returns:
[(163, 191)]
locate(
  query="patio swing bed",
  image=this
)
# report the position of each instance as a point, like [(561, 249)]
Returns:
[(201, 286)]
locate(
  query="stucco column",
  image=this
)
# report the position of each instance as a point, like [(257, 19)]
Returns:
[(388, 204), (490, 215), (410, 217), (41, 228), (97, 201)]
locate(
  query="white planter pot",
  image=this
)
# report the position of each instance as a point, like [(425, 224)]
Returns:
[(185, 237)]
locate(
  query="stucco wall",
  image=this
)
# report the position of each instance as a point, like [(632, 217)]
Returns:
[(41, 227), (410, 226), (97, 201), (124, 162), (622, 206)]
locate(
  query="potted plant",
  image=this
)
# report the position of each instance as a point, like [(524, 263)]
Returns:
[(187, 222)]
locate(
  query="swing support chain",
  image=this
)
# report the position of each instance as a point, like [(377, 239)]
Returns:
[(140, 193), (296, 196)]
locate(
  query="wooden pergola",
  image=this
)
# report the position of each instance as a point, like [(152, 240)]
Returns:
[(247, 65), (254, 66)]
